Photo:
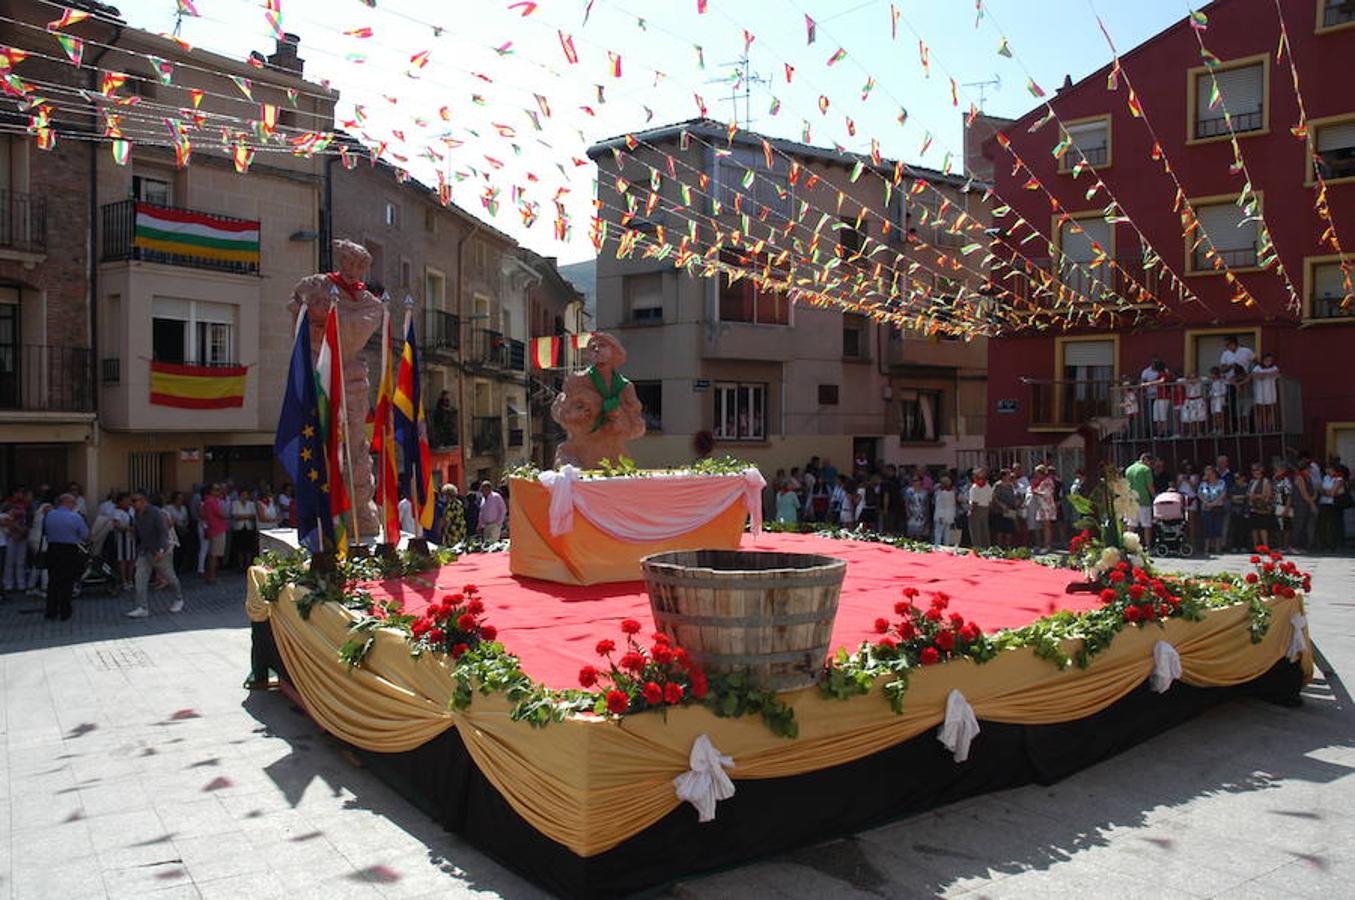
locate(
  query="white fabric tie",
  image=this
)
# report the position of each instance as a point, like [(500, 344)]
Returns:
[(960, 727), (653, 508), (561, 487), (1166, 666), (1298, 641), (705, 783)]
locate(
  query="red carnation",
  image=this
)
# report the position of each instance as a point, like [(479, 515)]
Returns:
[(940, 600), (956, 620), (933, 614), (907, 630), (1255, 560), (881, 626), (588, 676), (910, 592), (466, 622), (970, 632), (436, 635), (470, 589), (1252, 578), (1108, 596), (459, 650), (1263, 549), (617, 702), (1268, 567), (1163, 611), (653, 693), (662, 654), (605, 646), (659, 637), (1136, 591), (700, 686), (1132, 613), (630, 626), (475, 607), (929, 656), (681, 658), (1117, 576), (672, 692), (420, 627), (488, 632), (902, 608), (887, 643), (633, 662), (946, 640)]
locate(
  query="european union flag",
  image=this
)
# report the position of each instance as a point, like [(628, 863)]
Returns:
[(299, 449)]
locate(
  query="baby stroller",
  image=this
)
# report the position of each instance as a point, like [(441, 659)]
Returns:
[(1169, 525), (97, 574)]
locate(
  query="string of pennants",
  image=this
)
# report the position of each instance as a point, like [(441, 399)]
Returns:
[(878, 280)]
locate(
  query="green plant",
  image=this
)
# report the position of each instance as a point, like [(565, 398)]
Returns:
[(734, 695)]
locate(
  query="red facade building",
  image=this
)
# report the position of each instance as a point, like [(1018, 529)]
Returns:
[(1043, 385)]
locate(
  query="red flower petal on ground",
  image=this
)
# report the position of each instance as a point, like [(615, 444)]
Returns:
[(672, 692), (630, 626), (588, 676), (881, 626), (653, 694), (466, 622), (929, 656), (605, 646), (617, 702), (489, 632)]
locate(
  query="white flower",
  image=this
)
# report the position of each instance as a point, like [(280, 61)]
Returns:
[(1132, 543), (1109, 557)]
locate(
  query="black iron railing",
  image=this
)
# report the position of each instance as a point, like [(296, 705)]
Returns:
[(39, 378), (23, 222), (120, 242), (517, 355), (1242, 258), (487, 435), (489, 348), (442, 332), (1214, 126), (1330, 308), (110, 370)]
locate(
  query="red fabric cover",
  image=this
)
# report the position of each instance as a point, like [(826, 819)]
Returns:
[(553, 628)]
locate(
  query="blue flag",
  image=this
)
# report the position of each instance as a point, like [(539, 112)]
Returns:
[(300, 450)]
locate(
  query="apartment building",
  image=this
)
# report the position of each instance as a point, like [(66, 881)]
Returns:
[(555, 308), (1044, 385), (771, 380)]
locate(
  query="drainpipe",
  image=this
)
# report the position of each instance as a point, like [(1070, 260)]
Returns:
[(327, 217), (94, 227), (463, 416)]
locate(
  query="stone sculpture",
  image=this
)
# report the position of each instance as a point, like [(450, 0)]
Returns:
[(360, 315), (598, 408)]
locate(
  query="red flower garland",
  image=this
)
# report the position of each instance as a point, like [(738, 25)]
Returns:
[(642, 677), (454, 624), (929, 636)]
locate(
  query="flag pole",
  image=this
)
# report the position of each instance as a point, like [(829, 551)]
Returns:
[(347, 447), (301, 322), (386, 426)]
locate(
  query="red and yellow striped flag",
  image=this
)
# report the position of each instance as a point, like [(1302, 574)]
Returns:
[(545, 352)]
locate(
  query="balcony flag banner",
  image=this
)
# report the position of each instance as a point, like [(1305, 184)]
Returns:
[(330, 402), (411, 433), (300, 448), (183, 232), (580, 340), (546, 352), (383, 443), (197, 387)]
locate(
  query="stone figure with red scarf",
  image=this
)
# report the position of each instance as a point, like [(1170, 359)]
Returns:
[(598, 408), (360, 316)]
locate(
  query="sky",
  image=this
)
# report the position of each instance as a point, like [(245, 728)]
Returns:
[(441, 78)]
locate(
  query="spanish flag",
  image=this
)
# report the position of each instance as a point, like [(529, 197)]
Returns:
[(545, 352), (197, 387)]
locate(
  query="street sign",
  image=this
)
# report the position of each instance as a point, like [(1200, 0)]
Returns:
[(700, 385), (1007, 407)]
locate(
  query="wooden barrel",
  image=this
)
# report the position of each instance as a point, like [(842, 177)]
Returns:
[(768, 614)]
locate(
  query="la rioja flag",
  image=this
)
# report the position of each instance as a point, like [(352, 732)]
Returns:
[(329, 396)]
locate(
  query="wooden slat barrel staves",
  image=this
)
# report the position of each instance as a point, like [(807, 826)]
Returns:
[(768, 614)]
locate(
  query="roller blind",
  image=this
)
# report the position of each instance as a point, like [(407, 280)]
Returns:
[(1328, 283), (1089, 136), (1076, 246), (1336, 137), (1223, 223), (1089, 353), (1243, 91)]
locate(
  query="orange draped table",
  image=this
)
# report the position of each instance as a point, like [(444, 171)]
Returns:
[(587, 554)]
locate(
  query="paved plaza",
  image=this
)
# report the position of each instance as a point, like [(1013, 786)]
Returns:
[(134, 764)]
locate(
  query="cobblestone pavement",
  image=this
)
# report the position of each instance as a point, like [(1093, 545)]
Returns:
[(133, 764)]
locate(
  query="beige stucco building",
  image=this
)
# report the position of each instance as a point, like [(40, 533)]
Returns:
[(771, 380)]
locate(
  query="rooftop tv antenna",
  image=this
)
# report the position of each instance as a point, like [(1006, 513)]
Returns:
[(741, 80), (995, 83)]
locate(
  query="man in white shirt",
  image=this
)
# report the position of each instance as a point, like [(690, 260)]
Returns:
[(493, 512), (1235, 355)]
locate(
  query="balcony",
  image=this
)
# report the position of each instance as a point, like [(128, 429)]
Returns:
[(517, 355), (1126, 279), (23, 223), (488, 349), (487, 436), (38, 378), (179, 237), (442, 333), (1168, 411)]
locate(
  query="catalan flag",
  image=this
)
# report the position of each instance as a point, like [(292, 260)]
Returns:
[(299, 448), (411, 433), (329, 401), (383, 443)]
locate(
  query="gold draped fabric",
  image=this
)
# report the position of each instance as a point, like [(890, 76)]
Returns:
[(590, 784), (588, 555)]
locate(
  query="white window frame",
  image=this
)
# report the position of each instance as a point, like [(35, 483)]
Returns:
[(735, 392), (648, 303), (219, 319)]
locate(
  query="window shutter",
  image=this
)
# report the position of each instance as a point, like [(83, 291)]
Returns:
[(1089, 353), (1328, 283), (1335, 137), (1078, 247), (1223, 223), (1243, 89), (1091, 136), (170, 308)]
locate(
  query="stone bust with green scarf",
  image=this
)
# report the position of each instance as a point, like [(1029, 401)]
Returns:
[(598, 408)]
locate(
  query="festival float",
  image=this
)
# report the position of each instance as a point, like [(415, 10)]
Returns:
[(648, 685)]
